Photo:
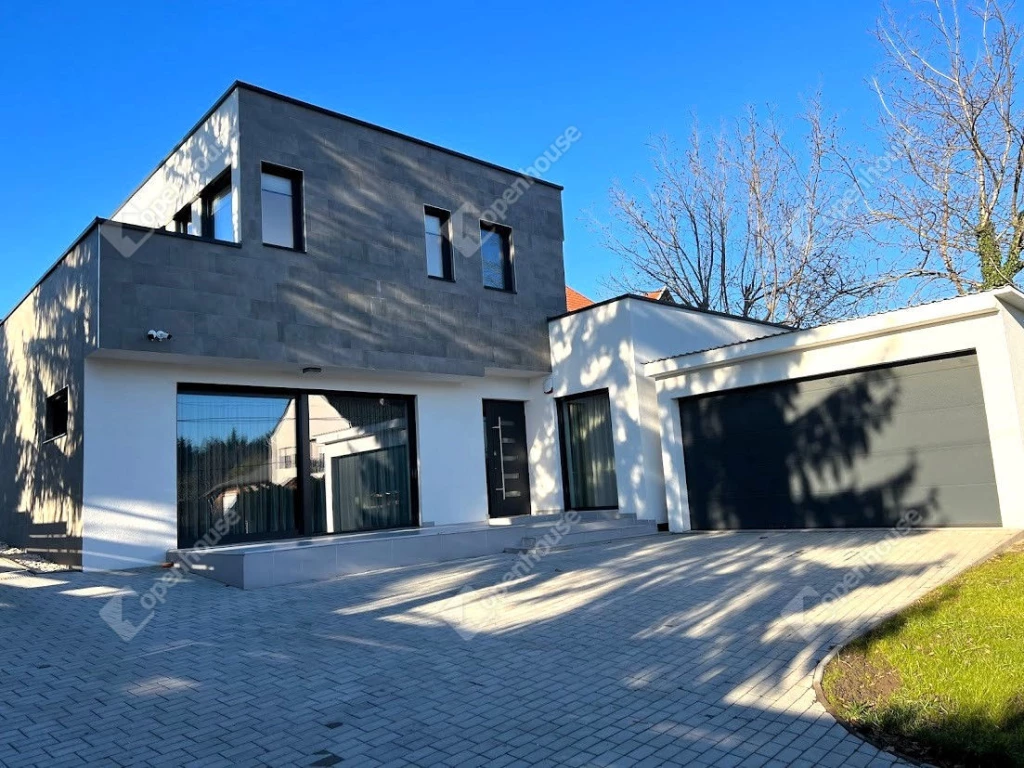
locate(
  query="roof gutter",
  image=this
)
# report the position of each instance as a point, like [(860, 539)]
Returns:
[(862, 329)]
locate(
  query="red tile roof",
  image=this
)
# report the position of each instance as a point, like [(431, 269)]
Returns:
[(575, 300), (663, 294)]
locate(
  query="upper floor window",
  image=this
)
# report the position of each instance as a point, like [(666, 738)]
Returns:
[(281, 193), (496, 255), (217, 203), (437, 226), (183, 221), (56, 415)]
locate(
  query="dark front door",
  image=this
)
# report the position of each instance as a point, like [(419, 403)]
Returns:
[(508, 473)]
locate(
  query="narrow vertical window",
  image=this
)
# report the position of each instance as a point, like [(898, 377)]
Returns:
[(437, 228), (588, 451), (183, 221), (496, 255), (218, 222), (281, 195), (56, 415)]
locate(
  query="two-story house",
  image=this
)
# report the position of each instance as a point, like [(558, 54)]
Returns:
[(338, 312), (307, 345)]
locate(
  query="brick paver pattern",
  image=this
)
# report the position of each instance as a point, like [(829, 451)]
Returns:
[(673, 650)]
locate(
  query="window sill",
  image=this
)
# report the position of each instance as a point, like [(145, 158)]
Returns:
[(500, 290), (55, 438), (284, 248), (199, 238), (441, 279)]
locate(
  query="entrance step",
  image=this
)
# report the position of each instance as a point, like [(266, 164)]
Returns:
[(584, 534), (268, 564)]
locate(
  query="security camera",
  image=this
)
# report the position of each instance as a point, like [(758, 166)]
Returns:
[(158, 335)]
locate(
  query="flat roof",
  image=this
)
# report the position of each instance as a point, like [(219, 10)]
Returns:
[(240, 84), (879, 323), (649, 300)]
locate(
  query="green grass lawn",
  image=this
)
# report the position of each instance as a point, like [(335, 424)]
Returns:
[(944, 680)]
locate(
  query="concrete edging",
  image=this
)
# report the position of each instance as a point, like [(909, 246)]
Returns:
[(819, 669)]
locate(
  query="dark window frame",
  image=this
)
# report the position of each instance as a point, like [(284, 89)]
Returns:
[(295, 176), (303, 497), (508, 271), (211, 192), (447, 253), (183, 220), (564, 455), (56, 415)]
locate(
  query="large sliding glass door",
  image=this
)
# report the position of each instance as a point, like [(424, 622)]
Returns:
[(233, 467), (264, 464), (360, 463)]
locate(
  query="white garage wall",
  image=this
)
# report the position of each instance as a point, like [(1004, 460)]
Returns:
[(130, 493), (978, 323), (606, 346)]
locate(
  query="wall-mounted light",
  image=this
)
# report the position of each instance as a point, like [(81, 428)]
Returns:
[(549, 385), (310, 370)]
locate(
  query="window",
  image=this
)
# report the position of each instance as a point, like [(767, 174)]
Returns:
[(437, 226), (496, 254), (281, 194), (183, 221), (363, 479), (218, 223), (588, 452), (56, 415), (229, 467), (259, 464), (286, 458)]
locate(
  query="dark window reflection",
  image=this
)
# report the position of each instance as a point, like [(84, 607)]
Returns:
[(236, 464), (589, 451), (360, 463)]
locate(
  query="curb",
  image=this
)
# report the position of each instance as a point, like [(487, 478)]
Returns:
[(819, 669)]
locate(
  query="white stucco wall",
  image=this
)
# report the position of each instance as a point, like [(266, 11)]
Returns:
[(605, 347), (204, 154), (979, 323), (130, 493)]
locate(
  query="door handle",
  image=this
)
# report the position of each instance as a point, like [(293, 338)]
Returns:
[(501, 460)]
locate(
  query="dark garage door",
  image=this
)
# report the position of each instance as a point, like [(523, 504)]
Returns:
[(856, 449)]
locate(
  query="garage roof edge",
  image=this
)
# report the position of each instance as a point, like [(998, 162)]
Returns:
[(933, 313)]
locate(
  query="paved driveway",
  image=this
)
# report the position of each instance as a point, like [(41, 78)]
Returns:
[(672, 650)]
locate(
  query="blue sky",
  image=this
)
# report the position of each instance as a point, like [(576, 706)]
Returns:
[(93, 99)]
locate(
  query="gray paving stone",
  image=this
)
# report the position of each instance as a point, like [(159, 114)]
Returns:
[(591, 661)]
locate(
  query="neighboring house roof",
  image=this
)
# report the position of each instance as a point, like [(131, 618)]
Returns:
[(575, 300), (663, 294), (880, 323), (673, 305)]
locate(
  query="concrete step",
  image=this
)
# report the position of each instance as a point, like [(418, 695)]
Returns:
[(583, 517), (585, 525), (254, 566), (586, 535)]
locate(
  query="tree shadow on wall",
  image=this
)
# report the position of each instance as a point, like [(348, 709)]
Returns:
[(794, 456), (43, 344)]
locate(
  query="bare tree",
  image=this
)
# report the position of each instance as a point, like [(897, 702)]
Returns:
[(948, 191), (746, 221)]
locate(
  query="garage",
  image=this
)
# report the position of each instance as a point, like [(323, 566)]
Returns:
[(858, 448)]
